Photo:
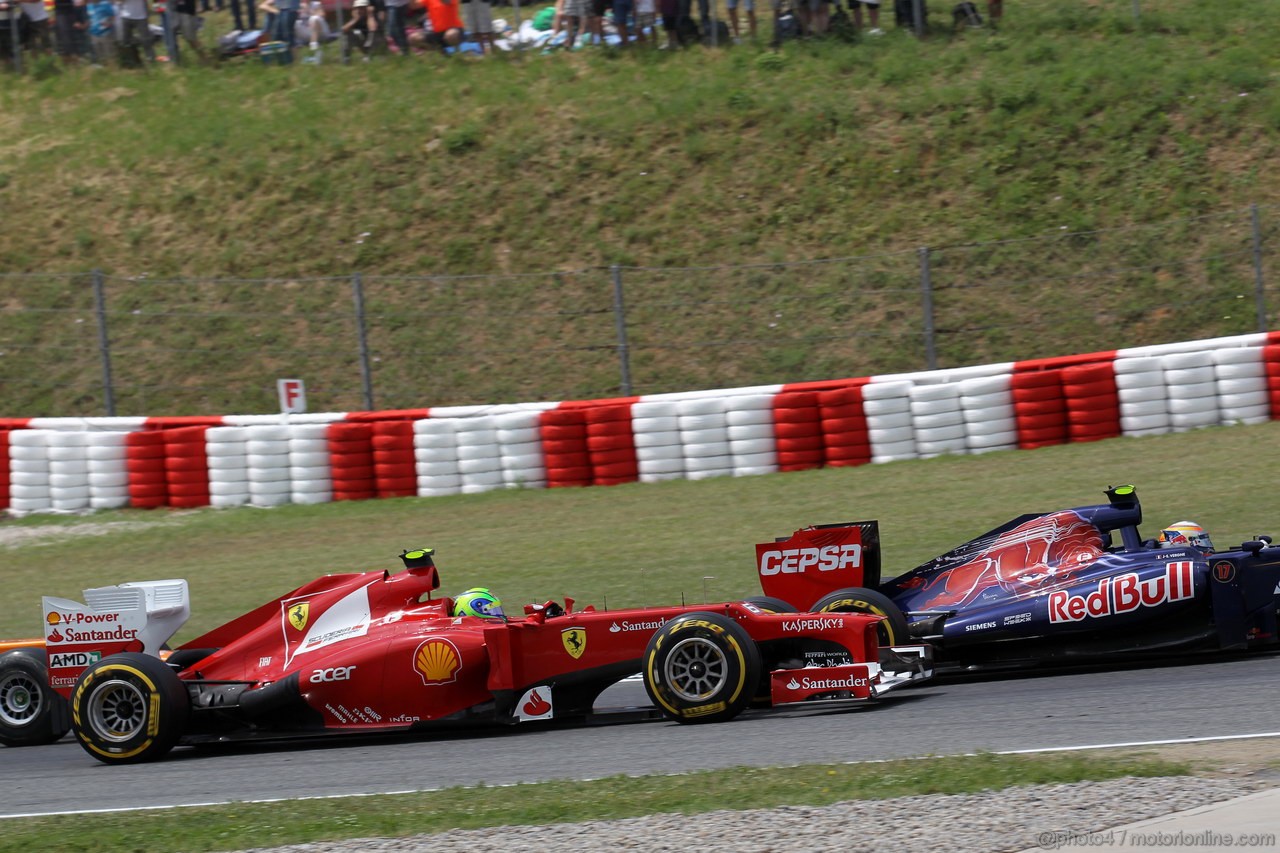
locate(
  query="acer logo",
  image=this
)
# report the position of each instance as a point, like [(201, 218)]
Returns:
[(337, 673), (828, 558)]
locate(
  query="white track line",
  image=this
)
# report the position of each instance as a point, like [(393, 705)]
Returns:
[(1078, 748)]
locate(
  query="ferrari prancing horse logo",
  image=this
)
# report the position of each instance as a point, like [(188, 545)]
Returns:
[(575, 641), (298, 614)]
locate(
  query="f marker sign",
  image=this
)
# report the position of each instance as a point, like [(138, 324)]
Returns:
[(293, 395)]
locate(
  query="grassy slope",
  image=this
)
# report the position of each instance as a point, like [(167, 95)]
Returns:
[(1069, 116)]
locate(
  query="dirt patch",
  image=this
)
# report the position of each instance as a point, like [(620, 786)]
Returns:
[(16, 536), (1255, 762)]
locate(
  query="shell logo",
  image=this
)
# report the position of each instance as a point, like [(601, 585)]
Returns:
[(54, 618), (437, 661)]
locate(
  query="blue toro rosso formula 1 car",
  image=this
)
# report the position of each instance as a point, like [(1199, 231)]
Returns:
[(1065, 586)]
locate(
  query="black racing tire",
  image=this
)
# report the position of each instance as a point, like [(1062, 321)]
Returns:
[(129, 708), (31, 713), (183, 658), (769, 604), (892, 631), (701, 667)]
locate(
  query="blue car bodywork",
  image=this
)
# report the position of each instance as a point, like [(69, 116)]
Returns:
[(1068, 585)]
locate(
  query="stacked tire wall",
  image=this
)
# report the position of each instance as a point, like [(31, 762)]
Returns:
[(82, 464)]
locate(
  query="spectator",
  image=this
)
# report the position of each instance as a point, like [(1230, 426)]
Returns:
[(37, 25), (358, 32), (622, 14), (396, 12), (252, 15), (595, 19), (286, 17), (270, 15), (670, 10), (64, 24), (314, 29), (815, 16), (446, 24), (646, 21), (750, 7), (188, 24), (102, 31), (873, 15), (135, 15), (477, 18), (573, 17)]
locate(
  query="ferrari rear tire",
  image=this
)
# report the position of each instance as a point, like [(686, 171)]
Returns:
[(892, 631), (129, 708), (701, 667), (31, 713)]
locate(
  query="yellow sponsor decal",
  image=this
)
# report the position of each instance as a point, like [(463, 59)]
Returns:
[(298, 614), (574, 641), (437, 661)]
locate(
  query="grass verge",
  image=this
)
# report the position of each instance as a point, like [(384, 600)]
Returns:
[(242, 825)]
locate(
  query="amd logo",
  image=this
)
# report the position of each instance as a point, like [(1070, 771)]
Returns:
[(337, 673)]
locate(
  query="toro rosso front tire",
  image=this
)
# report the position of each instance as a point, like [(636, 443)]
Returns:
[(31, 713), (129, 708), (892, 631), (769, 604), (701, 667)]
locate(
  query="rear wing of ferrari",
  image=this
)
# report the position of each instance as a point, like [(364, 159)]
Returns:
[(131, 617), (813, 561)]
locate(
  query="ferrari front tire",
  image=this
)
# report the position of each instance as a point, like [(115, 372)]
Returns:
[(129, 708), (31, 713), (701, 667), (891, 632)]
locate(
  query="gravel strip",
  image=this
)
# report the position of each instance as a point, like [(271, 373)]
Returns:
[(1006, 820)]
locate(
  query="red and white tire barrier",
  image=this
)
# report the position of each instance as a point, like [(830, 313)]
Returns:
[(80, 464)]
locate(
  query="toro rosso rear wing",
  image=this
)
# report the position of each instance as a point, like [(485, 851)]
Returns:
[(808, 564), (131, 617)]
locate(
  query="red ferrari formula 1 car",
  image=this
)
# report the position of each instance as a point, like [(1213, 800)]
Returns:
[(373, 651)]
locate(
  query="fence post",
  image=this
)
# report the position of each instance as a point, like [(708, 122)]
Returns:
[(1137, 13), (917, 17), (366, 379), (926, 295), (620, 322), (104, 343), (1259, 285)]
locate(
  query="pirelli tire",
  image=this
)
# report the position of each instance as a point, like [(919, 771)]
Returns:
[(129, 708), (769, 604), (892, 631), (31, 713), (701, 667)]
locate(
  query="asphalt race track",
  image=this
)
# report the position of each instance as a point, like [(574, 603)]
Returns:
[(1207, 699)]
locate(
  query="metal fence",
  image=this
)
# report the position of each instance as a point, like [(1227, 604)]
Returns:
[(93, 344)]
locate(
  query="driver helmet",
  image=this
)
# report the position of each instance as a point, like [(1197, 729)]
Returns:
[(1185, 533), (478, 601)]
